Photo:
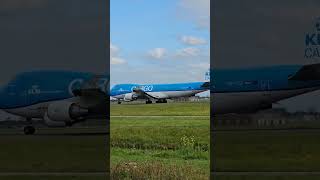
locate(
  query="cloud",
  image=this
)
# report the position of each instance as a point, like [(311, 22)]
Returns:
[(113, 49), (202, 66), (188, 52), (115, 58), (197, 11), (191, 40), (157, 53)]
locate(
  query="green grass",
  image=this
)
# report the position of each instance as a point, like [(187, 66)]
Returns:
[(267, 177), (167, 109), (176, 142), (52, 153), (52, 177), (158, 133), (267, 151)]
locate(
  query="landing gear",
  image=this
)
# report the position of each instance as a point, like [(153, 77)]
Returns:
[(148, 102), (119, 102), (161, 101), (29, 130)]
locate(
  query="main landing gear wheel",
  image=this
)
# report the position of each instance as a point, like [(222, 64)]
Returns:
[(119, 102), (161, 101), (148, 102), (29, 130)]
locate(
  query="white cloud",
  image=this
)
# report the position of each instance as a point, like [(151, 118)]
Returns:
[(157, 53), (113, 49), (197, 11), (191, 40), (115, 58), (188, 52), (202, 66)]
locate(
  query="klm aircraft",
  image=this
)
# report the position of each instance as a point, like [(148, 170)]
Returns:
[(60, 98), (157, 92), (249, 90)]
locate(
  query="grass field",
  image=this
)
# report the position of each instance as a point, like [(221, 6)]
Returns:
[(268, 177), (58, 153), (52, 153), (292, 150), (52, 177), (168, 141)]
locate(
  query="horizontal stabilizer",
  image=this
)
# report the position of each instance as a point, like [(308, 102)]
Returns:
[(307, 72)]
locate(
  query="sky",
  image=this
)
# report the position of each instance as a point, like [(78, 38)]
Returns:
[(264, 33), (165, 41), (50, 34)]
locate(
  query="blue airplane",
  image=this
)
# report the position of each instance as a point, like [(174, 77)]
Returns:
[(249, 90), (60, 98), (158, 92)]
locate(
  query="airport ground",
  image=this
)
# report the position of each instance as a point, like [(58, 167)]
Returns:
[(267, 151), (167, 140), (160, 141), (151, 139), (58, 153)]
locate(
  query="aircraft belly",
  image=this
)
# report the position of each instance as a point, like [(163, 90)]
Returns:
[(246, 102), (33, 111), (173, 94)]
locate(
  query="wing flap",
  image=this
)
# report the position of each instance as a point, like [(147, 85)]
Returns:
[(142, 93), (92, 92)]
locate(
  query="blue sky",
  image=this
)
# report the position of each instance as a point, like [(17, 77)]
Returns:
[(163, 41)]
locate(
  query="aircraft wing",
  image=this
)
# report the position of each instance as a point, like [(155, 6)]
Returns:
[(307, 72), (206, 85), (144, 94), (93, 92)]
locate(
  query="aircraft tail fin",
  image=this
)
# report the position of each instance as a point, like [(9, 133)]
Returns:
[(307, 72), (207, 76)]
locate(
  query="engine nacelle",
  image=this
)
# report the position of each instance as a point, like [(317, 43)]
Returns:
[(51, 123), (130, 97), (62, 113)]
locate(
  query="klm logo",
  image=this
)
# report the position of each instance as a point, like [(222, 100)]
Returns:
[(312, 42), (312, 39), (34, 90)]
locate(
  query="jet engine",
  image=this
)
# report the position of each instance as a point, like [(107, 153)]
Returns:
[(130, 97), (63, 113)]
